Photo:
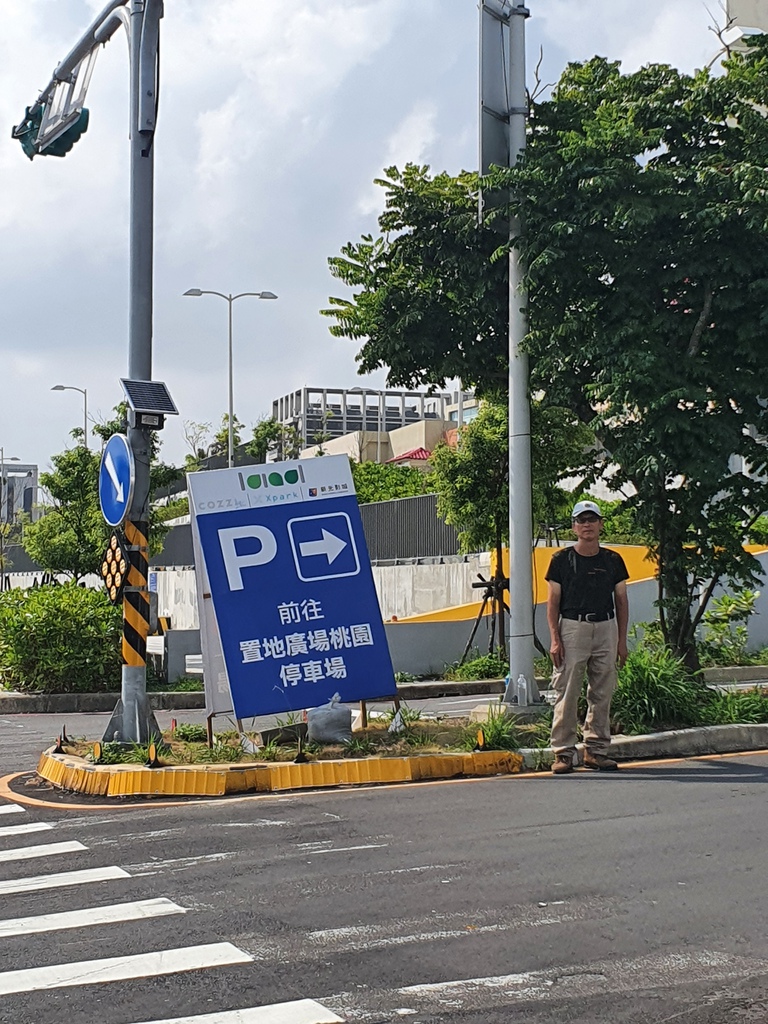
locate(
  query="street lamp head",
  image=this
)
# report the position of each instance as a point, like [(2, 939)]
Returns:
[(58, 387), (193, 291), (267, 295)]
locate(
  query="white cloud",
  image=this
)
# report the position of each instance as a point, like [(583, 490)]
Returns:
[(411, 142), (274, 119)]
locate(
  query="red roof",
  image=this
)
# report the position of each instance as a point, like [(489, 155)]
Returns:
[(420, 454)]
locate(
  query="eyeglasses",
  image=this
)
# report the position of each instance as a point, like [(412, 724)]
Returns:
[(583, 520)]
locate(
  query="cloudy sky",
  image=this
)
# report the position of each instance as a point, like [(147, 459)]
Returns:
[(274, 119)]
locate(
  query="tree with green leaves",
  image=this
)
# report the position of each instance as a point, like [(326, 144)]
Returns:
[(428, 303), (71, 536), (271, 437), (376, 481), (220, 443), (645, 200), (645, 203), (472, 478)]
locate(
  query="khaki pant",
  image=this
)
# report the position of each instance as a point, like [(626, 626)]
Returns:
[(589, 647)]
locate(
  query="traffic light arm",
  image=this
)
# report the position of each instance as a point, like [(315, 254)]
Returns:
[(57, 119)]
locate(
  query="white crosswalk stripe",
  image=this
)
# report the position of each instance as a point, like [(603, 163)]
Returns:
[(63, 878), (156, 963), (11, 809), (123, 968), (302, 1011), (43, 850), (139, 910), (32, 826)]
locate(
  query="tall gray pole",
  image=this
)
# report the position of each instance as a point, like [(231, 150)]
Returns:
[(230, 425), (133, 720), (521, 645)]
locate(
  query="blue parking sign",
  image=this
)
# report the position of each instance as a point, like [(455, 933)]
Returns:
[(295, 604)]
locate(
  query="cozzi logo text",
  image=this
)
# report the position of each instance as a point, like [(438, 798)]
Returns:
[(222, 503)]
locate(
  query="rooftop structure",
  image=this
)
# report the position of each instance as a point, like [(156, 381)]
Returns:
[(319, 413)]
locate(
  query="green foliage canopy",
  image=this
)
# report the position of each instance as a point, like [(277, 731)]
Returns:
[(71, 536), (375, 481), (645, 202), (427, 303)]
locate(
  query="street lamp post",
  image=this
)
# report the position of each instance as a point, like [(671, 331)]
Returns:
[(3, 460), (84, 393), (230, 299)]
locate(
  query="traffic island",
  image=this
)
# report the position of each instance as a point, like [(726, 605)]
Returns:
[(77, 775)]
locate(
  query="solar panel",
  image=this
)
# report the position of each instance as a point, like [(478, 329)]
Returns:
[(151, 396)]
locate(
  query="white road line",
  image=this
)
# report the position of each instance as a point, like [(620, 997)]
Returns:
[(652, 971), (44, 850), (344, 849), (123, 968), (302, 1011), (17, 830), (117, 912), (35, 882), (152, 867), (11, 809)]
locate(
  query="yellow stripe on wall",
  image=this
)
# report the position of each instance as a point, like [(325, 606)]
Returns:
[(637, 559)]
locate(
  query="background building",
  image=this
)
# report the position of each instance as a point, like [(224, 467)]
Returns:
[(371, 425), (18, 491)]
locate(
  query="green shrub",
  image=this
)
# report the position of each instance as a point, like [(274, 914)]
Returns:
[(736, 706), (725, 631), (655, 692), (189, 732), (61, 639), (488, 666)]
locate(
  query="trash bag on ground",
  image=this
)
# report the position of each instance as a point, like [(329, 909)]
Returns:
[(330, 723)]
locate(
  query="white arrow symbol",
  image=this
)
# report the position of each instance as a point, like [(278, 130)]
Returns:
[(110, 467), (331, 546)]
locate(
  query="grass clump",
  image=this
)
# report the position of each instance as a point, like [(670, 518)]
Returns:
[(487, 666), (188, 732), (501, 731), (654, 692), (736, 706)]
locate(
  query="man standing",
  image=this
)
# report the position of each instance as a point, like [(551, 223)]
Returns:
[(587, 613)]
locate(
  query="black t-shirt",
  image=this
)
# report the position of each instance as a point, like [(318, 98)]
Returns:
[(587, 581)]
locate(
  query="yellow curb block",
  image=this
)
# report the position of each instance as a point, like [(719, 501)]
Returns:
[(74, 774)]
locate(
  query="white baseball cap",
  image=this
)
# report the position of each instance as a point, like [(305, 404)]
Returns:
[(585, 506)]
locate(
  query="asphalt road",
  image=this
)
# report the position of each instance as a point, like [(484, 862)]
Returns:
[(635, 898)]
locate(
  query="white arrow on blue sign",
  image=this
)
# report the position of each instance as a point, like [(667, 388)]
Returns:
[(117, 476)]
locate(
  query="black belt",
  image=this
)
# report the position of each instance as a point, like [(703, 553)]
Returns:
[(588, 616)]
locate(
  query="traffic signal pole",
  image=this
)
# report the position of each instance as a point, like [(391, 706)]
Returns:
[(50, 126), (133, 719)]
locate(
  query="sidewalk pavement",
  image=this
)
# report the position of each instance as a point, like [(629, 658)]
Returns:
[(12, 703)]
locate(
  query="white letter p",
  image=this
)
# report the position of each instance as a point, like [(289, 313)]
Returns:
[(233, 562)]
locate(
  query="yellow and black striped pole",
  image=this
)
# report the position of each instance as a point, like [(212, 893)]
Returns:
[(136, 596)]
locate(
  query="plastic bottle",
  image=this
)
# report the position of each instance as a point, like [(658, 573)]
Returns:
[(522, 691)]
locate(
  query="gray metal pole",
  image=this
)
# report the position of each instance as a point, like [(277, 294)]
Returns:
[(520, 511), (133, 720), (230, 428), (85, 418)]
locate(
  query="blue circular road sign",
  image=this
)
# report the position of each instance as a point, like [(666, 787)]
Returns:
[(117, 475)]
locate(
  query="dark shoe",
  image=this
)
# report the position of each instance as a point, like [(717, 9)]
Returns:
[(563, 764), (599, 762)]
